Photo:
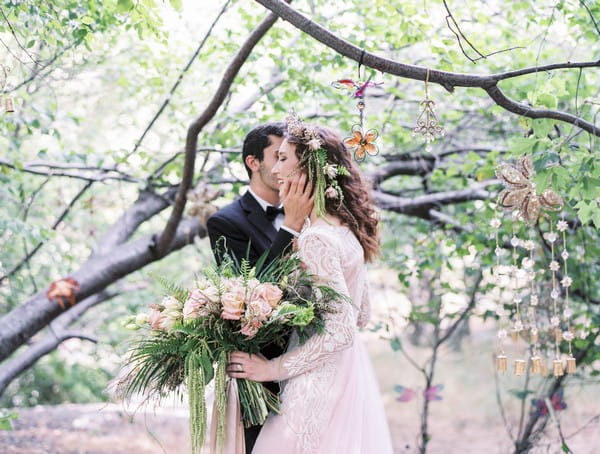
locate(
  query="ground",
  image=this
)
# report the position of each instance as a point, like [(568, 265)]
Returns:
[(466, 421)]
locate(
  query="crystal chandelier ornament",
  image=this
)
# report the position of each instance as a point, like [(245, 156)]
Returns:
[(427, 122)]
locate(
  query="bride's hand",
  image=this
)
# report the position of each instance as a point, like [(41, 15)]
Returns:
[(251, 367)]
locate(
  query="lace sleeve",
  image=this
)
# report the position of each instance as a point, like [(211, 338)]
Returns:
[(323, 261), (365, 307)]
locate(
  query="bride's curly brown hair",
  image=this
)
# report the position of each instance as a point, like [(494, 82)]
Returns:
[(357, 210)]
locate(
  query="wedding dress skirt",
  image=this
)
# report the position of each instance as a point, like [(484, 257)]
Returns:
[(330, 402)]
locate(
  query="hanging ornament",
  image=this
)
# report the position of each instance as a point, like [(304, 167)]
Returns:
[(427, 121), (519, 367), (536, 364), (501, 362), (361, 142), (520, 193), (558, 368), (9, 104), (521, 197)]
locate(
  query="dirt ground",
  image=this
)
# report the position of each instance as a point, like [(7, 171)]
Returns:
[(466, 421)]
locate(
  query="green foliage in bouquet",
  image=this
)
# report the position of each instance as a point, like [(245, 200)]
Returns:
[(232, 307)]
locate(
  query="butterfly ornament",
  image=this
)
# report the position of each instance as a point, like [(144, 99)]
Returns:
[(361, 142), (520, 193)]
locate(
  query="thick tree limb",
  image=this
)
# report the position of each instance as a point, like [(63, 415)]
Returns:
[(146, 206), (16, 366), (422, 205), (446, 79), (165, 238), (93, 276), (416, 166)]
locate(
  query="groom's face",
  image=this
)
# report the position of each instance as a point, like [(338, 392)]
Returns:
[(269, 160)]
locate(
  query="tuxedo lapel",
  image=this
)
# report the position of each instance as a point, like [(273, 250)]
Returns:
[(257, 217)]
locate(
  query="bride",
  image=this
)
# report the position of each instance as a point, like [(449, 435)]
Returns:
[(330, 401)]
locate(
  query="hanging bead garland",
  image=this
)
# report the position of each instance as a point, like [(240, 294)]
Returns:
[(521, 197)]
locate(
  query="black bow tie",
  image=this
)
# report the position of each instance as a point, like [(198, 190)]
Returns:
[(272, 212)]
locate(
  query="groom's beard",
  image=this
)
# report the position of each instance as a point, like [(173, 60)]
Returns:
[(268, 179)]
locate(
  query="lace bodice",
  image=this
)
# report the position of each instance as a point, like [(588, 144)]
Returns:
[(335, 257)]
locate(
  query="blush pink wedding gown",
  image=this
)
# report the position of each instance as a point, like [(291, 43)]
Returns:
[(330, 400)]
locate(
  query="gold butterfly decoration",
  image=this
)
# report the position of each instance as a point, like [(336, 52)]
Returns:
[(520, 192)]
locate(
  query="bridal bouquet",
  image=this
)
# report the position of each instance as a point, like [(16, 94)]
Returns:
[(189, 334)]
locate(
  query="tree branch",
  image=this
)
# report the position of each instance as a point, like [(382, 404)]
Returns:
[(179, 79), (422, 205), (16, 366), (446, 79), (105, 173), (165, 238), (523, 109), (62, 216)]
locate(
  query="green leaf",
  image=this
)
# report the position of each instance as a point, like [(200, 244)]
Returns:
[(547, 100), (124, 6), (542, 127), (396, 344), (176, 4), (87, 20)]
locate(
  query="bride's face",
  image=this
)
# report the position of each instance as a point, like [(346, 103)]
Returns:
[(287, 162)]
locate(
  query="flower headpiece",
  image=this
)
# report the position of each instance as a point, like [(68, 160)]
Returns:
[(323, 173)]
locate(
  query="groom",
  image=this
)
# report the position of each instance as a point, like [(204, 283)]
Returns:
[(256, 222)]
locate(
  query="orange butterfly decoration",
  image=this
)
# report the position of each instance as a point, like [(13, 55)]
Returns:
[(520, 193), (362, 143), (63, 290)]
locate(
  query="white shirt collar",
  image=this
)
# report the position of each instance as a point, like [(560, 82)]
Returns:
[(263, 203)]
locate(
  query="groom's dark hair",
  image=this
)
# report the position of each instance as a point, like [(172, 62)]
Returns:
[(258, 139)]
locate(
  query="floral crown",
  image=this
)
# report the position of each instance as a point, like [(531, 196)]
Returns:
[(323, 173)]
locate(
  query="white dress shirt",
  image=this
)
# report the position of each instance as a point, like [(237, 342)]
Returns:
[(278, 221)]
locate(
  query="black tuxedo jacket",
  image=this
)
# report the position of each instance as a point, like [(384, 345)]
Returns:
[(244, 222)]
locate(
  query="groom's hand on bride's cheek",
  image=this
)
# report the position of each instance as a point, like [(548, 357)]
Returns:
[(298, 200)]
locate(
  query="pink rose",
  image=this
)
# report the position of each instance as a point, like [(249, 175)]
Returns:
[(233, 303), (268, 292), (258, 310), (249, 330), (154, 318), (194, 303)]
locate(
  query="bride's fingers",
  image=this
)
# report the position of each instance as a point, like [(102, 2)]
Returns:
[(284, 189), (238, 356)]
